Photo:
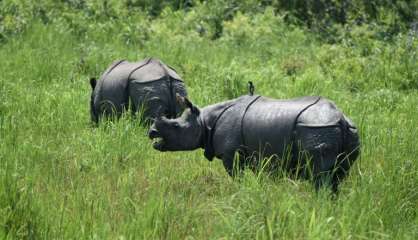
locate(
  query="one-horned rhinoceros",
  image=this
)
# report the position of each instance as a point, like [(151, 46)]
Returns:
[(150, 85), (307, 137)]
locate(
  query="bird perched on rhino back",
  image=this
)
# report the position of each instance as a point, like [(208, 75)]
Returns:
[(148, 86)]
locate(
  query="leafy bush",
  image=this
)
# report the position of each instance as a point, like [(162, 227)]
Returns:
[(325, 17)]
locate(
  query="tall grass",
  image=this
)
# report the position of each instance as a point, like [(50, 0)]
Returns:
[(62, 178)]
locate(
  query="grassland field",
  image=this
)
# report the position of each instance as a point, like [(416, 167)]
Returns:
[(62, 178)]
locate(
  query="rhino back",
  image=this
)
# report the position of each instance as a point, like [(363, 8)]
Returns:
[(154, 99), (153, 87), (323, 113), (268, 124), (153, 70), (112, 88)]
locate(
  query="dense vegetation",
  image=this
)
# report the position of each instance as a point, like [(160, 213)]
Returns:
[(62, 178)]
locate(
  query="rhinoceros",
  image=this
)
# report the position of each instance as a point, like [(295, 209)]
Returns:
[(308, 136), (150, 86)]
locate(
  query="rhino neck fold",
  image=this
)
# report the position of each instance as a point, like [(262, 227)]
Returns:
[(205, 142), (208, 119)]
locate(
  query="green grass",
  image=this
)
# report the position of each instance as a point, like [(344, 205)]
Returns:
[(62, 178)]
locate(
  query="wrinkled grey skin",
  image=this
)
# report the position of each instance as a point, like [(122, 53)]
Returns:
[(149, 85), (321, 141)]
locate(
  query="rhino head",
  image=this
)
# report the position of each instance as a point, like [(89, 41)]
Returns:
[(180, 134)]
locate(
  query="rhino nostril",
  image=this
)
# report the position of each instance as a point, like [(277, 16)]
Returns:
[(152, 132)]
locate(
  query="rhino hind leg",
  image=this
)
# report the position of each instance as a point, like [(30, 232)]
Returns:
[(110, 110), (350, 151), (321, 149)]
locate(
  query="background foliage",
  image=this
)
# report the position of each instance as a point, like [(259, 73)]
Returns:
[(325, 17), (62, 178)]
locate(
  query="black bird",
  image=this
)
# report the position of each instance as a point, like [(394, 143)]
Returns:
[(251, 88)]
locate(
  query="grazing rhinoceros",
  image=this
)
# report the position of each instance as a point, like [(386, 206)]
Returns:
[(322, 143), (150, 85)]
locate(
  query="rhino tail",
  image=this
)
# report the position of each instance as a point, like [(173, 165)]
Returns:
[(350, 144), (349, 152)]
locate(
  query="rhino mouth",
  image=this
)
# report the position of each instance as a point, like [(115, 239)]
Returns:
[(157, 140), (158, 143)]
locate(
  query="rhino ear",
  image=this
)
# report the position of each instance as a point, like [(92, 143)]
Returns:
[(188, 103), (193, 108), (180, 100), (93, 82)]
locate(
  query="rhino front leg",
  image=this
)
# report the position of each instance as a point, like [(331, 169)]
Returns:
[(233, 163)]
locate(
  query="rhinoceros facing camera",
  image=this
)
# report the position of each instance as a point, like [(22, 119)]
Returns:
[(307, 137), (149, 86)]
